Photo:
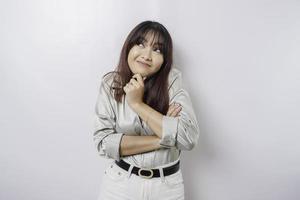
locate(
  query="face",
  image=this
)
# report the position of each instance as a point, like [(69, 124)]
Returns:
[(144, 58)]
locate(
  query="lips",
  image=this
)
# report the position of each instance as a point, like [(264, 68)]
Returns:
[(144, 64)]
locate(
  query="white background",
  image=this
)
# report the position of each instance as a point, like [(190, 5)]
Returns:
[(240, 63)]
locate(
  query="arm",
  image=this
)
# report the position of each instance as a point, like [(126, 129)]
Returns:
[(182, 131), (112, 144), (131, 145), (151, 117), (134, 90), (106, 139)]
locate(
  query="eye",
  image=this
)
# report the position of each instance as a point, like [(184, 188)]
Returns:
[(140, 44), (157, 50)]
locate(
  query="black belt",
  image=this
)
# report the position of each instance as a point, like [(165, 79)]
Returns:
[(148, 173)]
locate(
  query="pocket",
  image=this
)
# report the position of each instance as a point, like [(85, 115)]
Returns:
[(174, 179), (114, 172)]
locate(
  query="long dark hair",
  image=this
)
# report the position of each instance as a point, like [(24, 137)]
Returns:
[(156, 86)]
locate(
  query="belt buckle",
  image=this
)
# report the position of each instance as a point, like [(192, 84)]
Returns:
[(148, 177)]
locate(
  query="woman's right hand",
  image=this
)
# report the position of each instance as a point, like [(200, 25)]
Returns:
[(174, 110)]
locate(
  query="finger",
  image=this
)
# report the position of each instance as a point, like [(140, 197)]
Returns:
[(176, 110), (171, 106), (139, 79), (128, 86), (171, 110), (125, 89), (134, 82), (171, 114)]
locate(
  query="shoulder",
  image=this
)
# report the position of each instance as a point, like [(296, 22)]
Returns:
[(108, 78), (107, 81), (174, 72), (174, 77)]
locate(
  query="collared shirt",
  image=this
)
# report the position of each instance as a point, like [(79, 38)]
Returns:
[(113, 120)]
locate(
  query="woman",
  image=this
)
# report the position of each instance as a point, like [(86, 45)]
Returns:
[(144, 118)]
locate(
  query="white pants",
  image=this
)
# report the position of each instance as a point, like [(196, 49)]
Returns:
[(118, 184)]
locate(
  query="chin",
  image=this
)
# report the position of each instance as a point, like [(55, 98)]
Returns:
[(140, 71)]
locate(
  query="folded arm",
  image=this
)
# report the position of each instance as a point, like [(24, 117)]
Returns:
[(112, 144), (182, 131)]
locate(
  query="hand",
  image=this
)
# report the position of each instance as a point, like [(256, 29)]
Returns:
[(134, 90), (174, 110)]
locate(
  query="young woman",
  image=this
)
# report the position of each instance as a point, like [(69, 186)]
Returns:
[(144, 118)]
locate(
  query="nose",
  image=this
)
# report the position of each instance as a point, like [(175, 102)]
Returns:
[(147, 54)]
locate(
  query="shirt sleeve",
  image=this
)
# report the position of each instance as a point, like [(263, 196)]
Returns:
[(182, 131), (106, 139)]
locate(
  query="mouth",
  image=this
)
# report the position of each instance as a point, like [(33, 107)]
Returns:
[(143, 64)]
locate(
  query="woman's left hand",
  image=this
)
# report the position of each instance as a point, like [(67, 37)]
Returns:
[(134, 90)]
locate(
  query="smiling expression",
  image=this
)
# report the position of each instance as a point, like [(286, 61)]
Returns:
[(145, 57)]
